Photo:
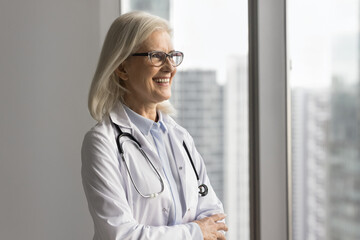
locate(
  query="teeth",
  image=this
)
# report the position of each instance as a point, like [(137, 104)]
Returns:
[(162, 80)]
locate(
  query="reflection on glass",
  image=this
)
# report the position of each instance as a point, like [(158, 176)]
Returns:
[(324, 41), (210, 92)]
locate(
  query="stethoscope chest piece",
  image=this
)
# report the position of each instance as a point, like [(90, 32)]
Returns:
[(203, 190)]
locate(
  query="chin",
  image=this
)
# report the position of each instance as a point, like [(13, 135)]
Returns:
[(166, 96)]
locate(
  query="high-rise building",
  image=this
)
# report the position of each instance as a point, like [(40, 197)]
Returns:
[(237, 148), (298, 109), (344, 163), (199, 100), (343, 207), (310, 117)]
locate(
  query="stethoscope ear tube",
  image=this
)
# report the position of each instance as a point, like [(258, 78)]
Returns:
[(203, 189)]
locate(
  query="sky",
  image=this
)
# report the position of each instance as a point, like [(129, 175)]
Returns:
[(323, 41), (209, 31)]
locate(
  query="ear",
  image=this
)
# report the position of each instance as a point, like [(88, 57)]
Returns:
[(121, 72)]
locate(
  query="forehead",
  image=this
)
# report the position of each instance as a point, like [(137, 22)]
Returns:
[(159, 40)]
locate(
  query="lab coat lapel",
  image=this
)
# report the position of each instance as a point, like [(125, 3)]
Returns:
[(177, 137)]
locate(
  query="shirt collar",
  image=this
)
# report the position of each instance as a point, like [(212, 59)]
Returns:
[(145, 124), (161, 122)]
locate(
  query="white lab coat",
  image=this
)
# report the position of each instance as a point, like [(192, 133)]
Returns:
[(118, 211)]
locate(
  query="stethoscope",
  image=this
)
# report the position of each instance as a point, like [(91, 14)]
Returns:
[(203, 189)]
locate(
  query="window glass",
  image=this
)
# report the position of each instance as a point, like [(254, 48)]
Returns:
[(323, 50), (210, 92)]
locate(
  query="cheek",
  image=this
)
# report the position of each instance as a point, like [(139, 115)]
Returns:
[(143, 79), (150, 73)]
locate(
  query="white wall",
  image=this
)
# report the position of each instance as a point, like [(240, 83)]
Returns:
[(48, 53)]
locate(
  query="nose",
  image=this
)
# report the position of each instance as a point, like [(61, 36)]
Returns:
[(167, 66)]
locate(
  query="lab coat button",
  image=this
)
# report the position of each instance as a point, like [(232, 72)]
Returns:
[(189, 209), (164, 210), (180, 168)]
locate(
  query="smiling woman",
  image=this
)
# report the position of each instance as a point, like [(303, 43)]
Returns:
[(116, 52), (147, 83), (142, 175)]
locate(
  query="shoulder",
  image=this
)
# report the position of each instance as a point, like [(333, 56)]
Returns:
[(99, 141), (99, 156), (101, 131)]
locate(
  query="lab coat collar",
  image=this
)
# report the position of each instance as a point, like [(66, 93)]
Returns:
[(168, 121), (119, 116)]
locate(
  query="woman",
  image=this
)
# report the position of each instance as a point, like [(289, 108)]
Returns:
[(152, 194)]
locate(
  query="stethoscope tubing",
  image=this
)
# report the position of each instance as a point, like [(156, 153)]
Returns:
[(152, 195), (203, 189), (138, 146)]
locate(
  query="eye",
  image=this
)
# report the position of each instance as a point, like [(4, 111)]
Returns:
[(157, 55)]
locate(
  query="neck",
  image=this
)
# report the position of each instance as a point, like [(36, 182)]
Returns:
[(145, 110)]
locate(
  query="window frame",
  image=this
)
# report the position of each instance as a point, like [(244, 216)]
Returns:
[(268, 130)]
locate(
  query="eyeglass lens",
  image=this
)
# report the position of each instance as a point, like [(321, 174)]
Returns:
[(159, 58)]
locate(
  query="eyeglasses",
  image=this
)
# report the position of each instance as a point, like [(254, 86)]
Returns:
[(158, 58)]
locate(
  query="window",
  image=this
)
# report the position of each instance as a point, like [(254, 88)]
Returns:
[(324, 77), (210, 92)]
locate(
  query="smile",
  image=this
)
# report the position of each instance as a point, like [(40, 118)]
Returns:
[(162, 80)]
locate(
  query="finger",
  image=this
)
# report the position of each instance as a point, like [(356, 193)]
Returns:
[(220, 236), (222, 226), (218, 217)]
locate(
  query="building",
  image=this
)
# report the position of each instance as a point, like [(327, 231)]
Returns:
[(344, 163), (237, 148), (310, 118)]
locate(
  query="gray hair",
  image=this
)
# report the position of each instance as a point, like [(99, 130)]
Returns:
[(124, 37)]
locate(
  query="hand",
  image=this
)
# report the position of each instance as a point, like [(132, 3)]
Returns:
[(210, 227)]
